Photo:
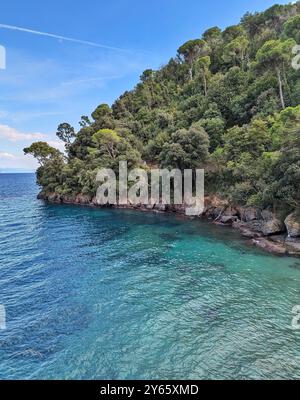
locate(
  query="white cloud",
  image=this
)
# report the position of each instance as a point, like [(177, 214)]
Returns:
[(12, 161), (24, 116), (6, 156), (16, 159), (13, 135)]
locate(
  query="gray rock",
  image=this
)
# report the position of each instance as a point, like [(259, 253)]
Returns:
[(54, 198), (149, 206), (229, 219), (83, 199), (292, 223), (272, 226), (267, 215), (230, 211), (250, 214), (160, 207)]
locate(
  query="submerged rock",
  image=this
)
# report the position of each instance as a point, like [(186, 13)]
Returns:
[(270, 246)]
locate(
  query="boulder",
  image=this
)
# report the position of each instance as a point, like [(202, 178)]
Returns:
[(42, 196), (160, 207), (272, 226), (271, 247), (53, 198), (246, 230), (149, 206), (231, 211), (250, 214), (267, 225), (82, 199), (267, 215), (292, 223), (69, 199), (293, 246), (228, 219), (217, 212)]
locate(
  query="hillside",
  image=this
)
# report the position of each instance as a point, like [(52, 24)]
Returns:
[(227, 102)]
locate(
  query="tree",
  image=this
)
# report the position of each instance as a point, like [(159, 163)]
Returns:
[(191, 50), (214, 127), (274, 55), (282, 123), (202, 65), (284, 176), (214, 40), (172, 155), (66, 133), (212, 35), (106, 140), (103, 117), (187, 148), (85, 121), (235, 52), (148, 74), (41, 151), (291, 28), (253, 139), (233, 32), (110, 147)]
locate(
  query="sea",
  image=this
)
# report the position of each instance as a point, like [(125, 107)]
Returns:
[(89, 293)]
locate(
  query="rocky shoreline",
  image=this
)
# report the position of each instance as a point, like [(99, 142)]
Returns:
[(262, 228)]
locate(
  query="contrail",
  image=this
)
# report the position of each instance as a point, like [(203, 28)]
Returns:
[(51, 35)]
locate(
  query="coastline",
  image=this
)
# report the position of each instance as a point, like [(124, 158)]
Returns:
[(261, 227)]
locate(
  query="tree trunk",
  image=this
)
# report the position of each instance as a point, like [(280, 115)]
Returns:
[(286, 83), (191, 72), (280, 88), (205, 83)]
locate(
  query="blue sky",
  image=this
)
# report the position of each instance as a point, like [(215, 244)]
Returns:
[(49, 80)]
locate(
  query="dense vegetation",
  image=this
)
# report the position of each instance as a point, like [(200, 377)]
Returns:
[(228, 102)]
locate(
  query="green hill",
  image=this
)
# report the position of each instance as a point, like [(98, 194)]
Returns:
[(228, 102)]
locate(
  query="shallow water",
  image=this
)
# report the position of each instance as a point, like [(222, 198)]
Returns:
[(115, 294)]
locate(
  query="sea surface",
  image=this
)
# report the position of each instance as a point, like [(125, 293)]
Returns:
[(115, 294)]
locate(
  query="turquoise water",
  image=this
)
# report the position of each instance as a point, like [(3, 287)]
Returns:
[(111, 294)]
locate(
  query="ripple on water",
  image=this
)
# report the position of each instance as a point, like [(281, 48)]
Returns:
[(117, 294)]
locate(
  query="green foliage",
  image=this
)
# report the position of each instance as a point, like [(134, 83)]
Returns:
[(291, 28), (66, 133), (103, 117), (276, 55), (41, 151), (186, 149)]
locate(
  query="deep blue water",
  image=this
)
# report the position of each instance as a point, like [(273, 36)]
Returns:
[(114, 294)]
